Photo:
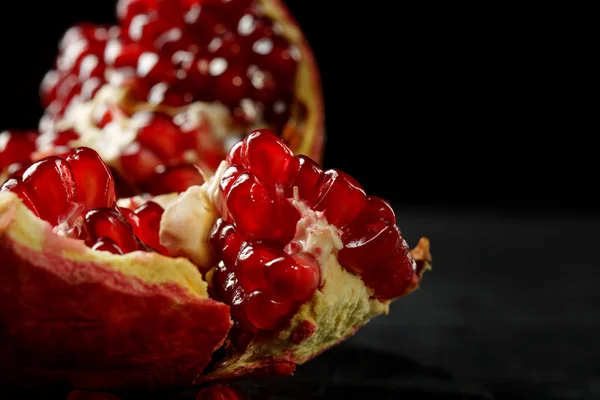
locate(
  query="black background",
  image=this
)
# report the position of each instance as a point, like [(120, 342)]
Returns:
[(432, 105), (465, 109)]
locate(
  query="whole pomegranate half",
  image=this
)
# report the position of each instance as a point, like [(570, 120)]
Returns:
[(272, 258), (303, 256), (176, 83)]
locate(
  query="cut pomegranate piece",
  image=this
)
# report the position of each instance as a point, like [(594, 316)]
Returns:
[(302, 256), (140, 321), (231, 65)]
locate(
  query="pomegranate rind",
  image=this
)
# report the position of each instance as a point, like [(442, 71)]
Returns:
[(308, 135), (93, 320)]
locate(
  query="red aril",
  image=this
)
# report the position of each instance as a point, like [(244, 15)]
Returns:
[(294, 277), (51, 187), (289, 237), (16, 186), (176, 178), (93, 179), (108, 222), (107, 244), (145, 221), (265, 313), (243, 59)]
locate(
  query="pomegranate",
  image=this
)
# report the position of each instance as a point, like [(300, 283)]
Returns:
[(177, 83), (272, 258), (303, 256), (89, 296)]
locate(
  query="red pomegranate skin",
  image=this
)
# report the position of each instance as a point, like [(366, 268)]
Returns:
[(85, 324)]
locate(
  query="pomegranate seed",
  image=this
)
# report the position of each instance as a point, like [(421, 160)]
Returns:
[(278, 112), (91, 66), (237, 154), (107, 222), (175, 179), (224, 283), (220, 392), (193, 71), (119, 55), (94, 181), (89, 88), (17, 169), (48, 87), (154, 69), (365, 246), (64, 137), (255, 209), (228, 47), (252, 28), (227, 180), (238, 300), (130, 216), (230, 243), (250, 265), (107, 244), (148, 225), (202, 22), (176, 39), (139, 162), (147, 28), (341, 197), (264, 86), (231, 84), (161, 136), (127, 9), (67, 89), (392, 278), (377, 208), (264, 151), (51, 188), (305, 175), (16, 186), (163, 93), (265, 313), (293, 277)]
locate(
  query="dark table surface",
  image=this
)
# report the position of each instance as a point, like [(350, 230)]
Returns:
[(508, 312)]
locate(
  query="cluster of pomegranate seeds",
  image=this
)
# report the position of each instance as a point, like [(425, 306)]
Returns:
[(79, 69), (75, 193), (176, 52), (265, 274), (155, 162)]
